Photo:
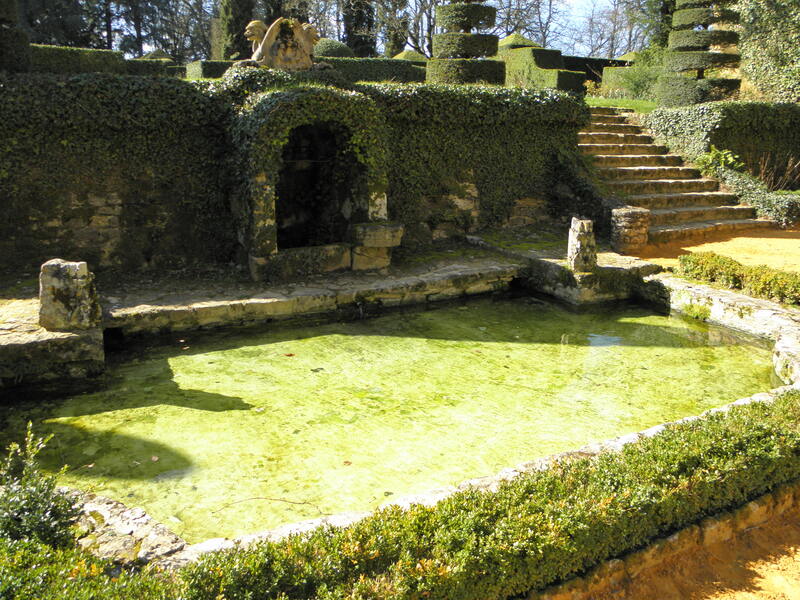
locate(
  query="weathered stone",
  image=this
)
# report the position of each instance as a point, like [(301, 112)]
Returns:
[(287, 44), (582, 248), (67, 296), (629, 229), (377, 235), (371, 258)]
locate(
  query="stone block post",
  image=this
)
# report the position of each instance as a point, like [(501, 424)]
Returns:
[(629, 227), (67, 296), (582, 249)]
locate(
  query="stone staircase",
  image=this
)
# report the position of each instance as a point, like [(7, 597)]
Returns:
[(683, 204)]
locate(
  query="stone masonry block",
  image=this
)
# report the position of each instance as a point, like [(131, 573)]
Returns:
[(377, 235), (67, 296)]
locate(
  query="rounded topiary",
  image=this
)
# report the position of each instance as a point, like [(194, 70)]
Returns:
[(463, 16), (674, 90), (15, 50), (411, 55), (516, 40), (688, 39), (464, 45), (334, 48), (466, 70), (699, 60), (693, 17)]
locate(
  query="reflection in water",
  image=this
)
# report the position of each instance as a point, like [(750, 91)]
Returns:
[(237, 433)]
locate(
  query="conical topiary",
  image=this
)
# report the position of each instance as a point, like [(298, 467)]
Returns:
[(460, 56), (695, 43)]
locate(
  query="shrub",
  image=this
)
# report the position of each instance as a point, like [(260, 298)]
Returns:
[(465, 16), (15, 54), (329, 47), (60, 59), (207, 69), (465, 70), (638, 80), (464, 45), (715, 159), (31, 508), (377, 69), (33, 571), (416, 57), (765, 282), (536, 529)]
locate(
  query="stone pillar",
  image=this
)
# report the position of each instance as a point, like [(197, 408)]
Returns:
[(629, 227), (582, 250), (67, 296)]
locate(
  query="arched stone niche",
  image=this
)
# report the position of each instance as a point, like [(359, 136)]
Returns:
[(315, 193)]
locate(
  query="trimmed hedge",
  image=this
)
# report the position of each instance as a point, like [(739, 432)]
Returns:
[(462, 16), (465, 70), (153, 68), (412, 55), (674, 91), (151, 151), (695, 60), (464, 45), (535, 530), (749, 129), (688, 39), (523, 69), (377, 69), (761, 281), (207, 69), (770, 47), (516, 40), (60, 59), (329, 47), (692, 17)]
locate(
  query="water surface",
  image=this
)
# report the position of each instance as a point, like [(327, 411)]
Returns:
[(234, 434)]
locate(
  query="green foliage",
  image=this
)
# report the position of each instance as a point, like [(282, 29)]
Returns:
[(700, 59), (535, 530), (15, 54), (690, 18), (749, 130), (234, 16), (637, 81), (329, 47), (31, 570), (9, 13), (517, 40), (464, 45), (31, 508), (761, 281), (207, 69), (60, 59), (412, 55), (770, 47), (358, 22), (689, 39), (715, 159), (152, 68), (465, 16), (153, 149), (675, 90), (524, 68), (238, 84), (465, 70), (377, 69)]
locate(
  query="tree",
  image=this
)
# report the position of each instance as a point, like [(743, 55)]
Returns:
[(234, 16), (358, 19), (62, 23), (610, 31)]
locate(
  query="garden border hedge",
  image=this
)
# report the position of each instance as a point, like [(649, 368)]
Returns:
[(377, 69)]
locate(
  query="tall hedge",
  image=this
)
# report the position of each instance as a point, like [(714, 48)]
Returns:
[(234, 16), (14, 48), (143, 159), (770, 47)]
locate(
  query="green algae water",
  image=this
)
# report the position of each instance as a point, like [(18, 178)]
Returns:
[(240, 433)]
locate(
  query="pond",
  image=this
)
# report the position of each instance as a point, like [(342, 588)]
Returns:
[(232, 434)]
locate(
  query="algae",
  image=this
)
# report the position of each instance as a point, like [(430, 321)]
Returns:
[(237, 433)]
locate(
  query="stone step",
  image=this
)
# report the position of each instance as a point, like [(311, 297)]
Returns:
[(609, 118), (667, 200), (613, 138), (664, 234), (661, 186), (648, 173), (687, 214), (637, 160), (612, 128), (608, 110), (622, 149)]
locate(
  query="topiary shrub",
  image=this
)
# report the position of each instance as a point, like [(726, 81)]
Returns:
[(464, 45), (377, 69), (330, 47), (31, 507), (60, 59), (462, 70), (412, 55)]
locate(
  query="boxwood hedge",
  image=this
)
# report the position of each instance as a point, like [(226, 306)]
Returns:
[(464, 45), (463, 16), (461, 70), (689, 39), (15, 55), (700, 59), (61, 59), (690, 18), (377, 69)]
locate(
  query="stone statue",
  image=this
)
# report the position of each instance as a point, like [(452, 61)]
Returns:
[(287, 44)]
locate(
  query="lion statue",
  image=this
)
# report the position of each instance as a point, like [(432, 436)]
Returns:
[(287, 44)]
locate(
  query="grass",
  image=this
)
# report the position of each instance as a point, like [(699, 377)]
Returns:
[(639, 106)]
